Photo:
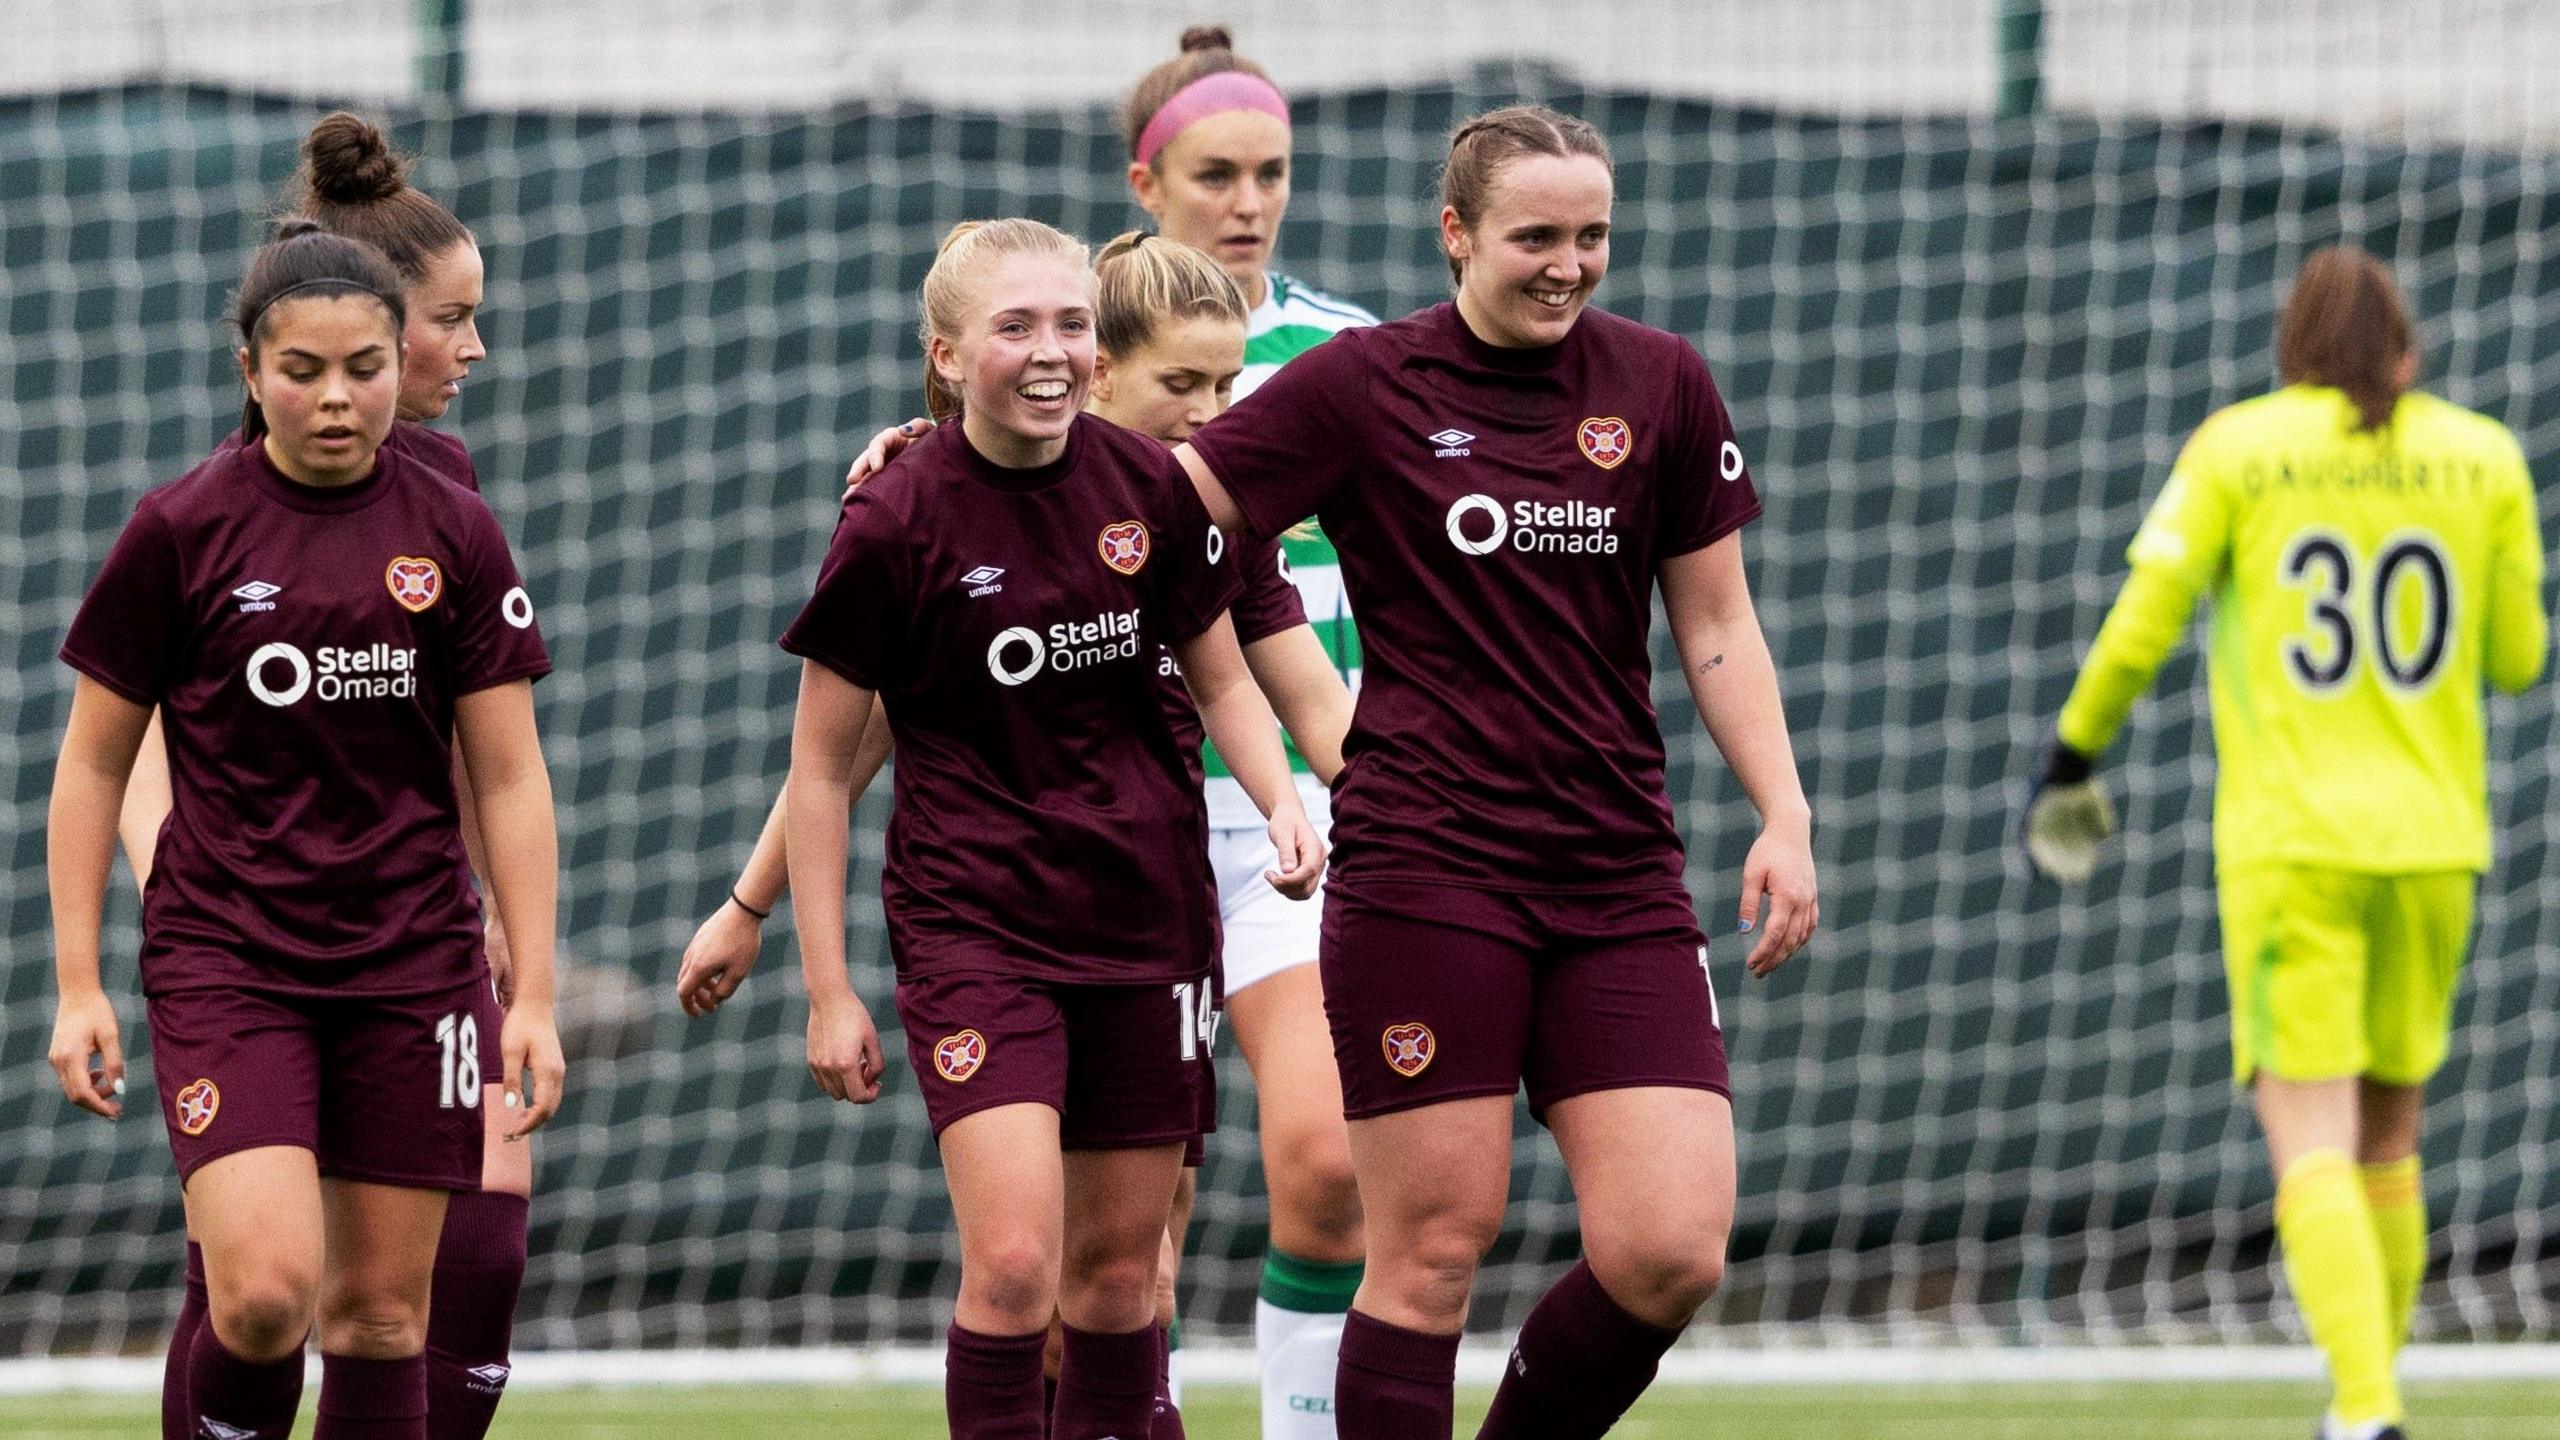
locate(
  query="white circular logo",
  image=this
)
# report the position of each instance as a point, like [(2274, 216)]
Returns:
[(1217, 544), (294, 659), (518, 608), (1729, 461), (1458, 513), (1012, 675)]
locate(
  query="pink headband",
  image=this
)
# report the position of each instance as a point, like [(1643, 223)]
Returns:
[(1209, 95)]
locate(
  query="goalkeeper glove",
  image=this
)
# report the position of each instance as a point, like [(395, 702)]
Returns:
[(2068, 813)]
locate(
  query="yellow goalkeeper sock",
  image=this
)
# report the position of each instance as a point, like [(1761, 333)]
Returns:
[(2399, 1204), (2335, 1263)]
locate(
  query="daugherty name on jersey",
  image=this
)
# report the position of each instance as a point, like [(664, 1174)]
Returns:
[(1020, 652), (1480, 525)]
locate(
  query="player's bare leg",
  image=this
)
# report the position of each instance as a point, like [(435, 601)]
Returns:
[(1008, 1196), (1653, 1174), (1117, 1205), (2332, 1254), (257, 1216), (480, 1262), (373, 1308), (1433, 1181), (2394, 1190), (1317, 1239)]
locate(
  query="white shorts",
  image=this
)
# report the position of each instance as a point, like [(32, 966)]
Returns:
[(1267, 932)]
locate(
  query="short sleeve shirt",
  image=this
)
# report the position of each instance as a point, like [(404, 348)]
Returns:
[(1267, 605), (1500, 515), (306, 647), (1044, 822)]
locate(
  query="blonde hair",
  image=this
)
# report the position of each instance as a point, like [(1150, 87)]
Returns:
[(1143, 281), (950, 287), (2345, 325)]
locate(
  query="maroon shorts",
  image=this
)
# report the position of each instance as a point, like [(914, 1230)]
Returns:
[(378, 1088), (1439, 992), (1123, 1065), (493, 1023)]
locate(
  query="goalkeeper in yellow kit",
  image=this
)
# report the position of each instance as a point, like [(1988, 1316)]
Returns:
[(2373, 556)]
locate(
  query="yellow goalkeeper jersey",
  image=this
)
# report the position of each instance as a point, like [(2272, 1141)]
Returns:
[(2364, 584)]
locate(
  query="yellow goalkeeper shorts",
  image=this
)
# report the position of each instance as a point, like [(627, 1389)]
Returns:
[(2336, 974)]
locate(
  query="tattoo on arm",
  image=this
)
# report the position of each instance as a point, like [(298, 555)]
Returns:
[(1711, 664)]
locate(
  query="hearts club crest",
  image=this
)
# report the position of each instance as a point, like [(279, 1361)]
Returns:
[(1605, 441), (1410, 1048), (957, 1057), (1124, 546), (197, 1105), (417, 584)]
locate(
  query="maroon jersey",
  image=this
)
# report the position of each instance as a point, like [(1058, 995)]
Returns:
[(437, 451), (1268, 605), (1044, 822), (434, 449), (1500, 516), (305, 647)]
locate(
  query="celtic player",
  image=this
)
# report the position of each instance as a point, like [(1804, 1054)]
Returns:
[(2373, 556)]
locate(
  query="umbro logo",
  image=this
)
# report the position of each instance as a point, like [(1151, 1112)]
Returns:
[(1452, 442), (982, 581), (488, 1379), (211, 1429), (257, 595)]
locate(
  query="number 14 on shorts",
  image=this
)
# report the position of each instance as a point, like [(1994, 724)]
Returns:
[(1197, 1009), (459, 1034)]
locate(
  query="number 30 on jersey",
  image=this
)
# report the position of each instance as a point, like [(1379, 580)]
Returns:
[(2396, 609)]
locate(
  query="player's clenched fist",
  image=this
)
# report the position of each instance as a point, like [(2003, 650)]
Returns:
[(536, 1071)]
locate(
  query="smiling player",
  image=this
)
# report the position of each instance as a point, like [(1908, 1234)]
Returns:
[(1509, 478), (1046, 886)]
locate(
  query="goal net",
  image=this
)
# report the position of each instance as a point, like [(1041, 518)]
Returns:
[(1962, 348)]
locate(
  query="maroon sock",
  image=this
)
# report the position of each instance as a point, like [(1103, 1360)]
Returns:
[(1048, 1402), (1168, 1414), (1107, 1384), (364, 1399), (175, 1422), (240, 1399), (1580, 1363), (991, 1385), (479, 1271), (1392, 1383)]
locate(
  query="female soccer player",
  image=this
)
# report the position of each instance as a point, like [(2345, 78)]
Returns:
[(1046, 888), (354, 184), (1209, 144), (1509, 477), (1170, 339), (320, 620), (2374, 555)]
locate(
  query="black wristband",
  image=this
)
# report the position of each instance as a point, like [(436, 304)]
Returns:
[(750, 909), (2067, 766)]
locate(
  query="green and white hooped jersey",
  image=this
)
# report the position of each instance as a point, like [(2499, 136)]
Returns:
[(1290, 321)]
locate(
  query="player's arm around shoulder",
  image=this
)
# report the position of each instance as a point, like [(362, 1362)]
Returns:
[(1725, 659)]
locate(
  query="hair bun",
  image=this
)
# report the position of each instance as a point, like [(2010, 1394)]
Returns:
[(1207, 37), (350, 163), (295, 226)]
